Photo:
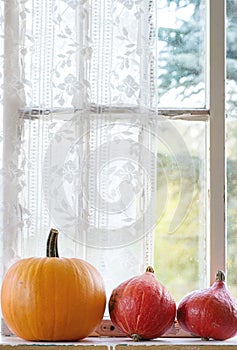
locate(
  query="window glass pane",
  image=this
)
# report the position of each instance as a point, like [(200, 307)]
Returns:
[(94, 178), (66, 174), (118, 190), (231, 124), (181, 53), (86, 52), (122, 62), (181, 231)]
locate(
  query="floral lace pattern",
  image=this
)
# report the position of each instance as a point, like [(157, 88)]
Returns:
[(81, 133), (77, 146)]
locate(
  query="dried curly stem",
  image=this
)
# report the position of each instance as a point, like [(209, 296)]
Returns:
[(136, 337), (220, 276), (150, 269)]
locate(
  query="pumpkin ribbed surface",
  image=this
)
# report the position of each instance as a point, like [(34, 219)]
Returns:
[(209, 312), (52, 298), (142, 307)]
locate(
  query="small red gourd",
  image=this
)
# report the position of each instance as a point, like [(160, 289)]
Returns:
[(142, 307), (52, 298), (209, 312)]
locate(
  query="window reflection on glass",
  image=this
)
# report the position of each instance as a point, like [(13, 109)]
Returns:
[(181, 50), (180, 235)]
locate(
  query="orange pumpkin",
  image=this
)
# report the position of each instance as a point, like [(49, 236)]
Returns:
[(52, 298)]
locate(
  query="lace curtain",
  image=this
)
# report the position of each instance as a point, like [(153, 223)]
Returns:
[(79, 131)]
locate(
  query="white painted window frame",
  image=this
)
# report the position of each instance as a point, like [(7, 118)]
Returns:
[(217, 137), (216, 156), (214, 113)]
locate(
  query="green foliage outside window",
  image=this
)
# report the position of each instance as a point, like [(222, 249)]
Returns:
[(178, 254)]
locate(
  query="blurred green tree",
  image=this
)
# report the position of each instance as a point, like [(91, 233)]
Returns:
[(180, 67)]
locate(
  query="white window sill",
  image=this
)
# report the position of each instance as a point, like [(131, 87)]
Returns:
[(105, 343)]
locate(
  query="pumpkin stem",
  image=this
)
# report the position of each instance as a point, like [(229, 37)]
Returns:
[(52, 244), (136, 337), (205, 338), (150, 269), (220, 276)]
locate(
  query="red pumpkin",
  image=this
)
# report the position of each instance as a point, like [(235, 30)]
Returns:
[(52, 298), (210, 312), (142, 307)]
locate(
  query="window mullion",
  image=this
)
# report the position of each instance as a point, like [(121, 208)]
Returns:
[(13, 99), (217, 138)]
